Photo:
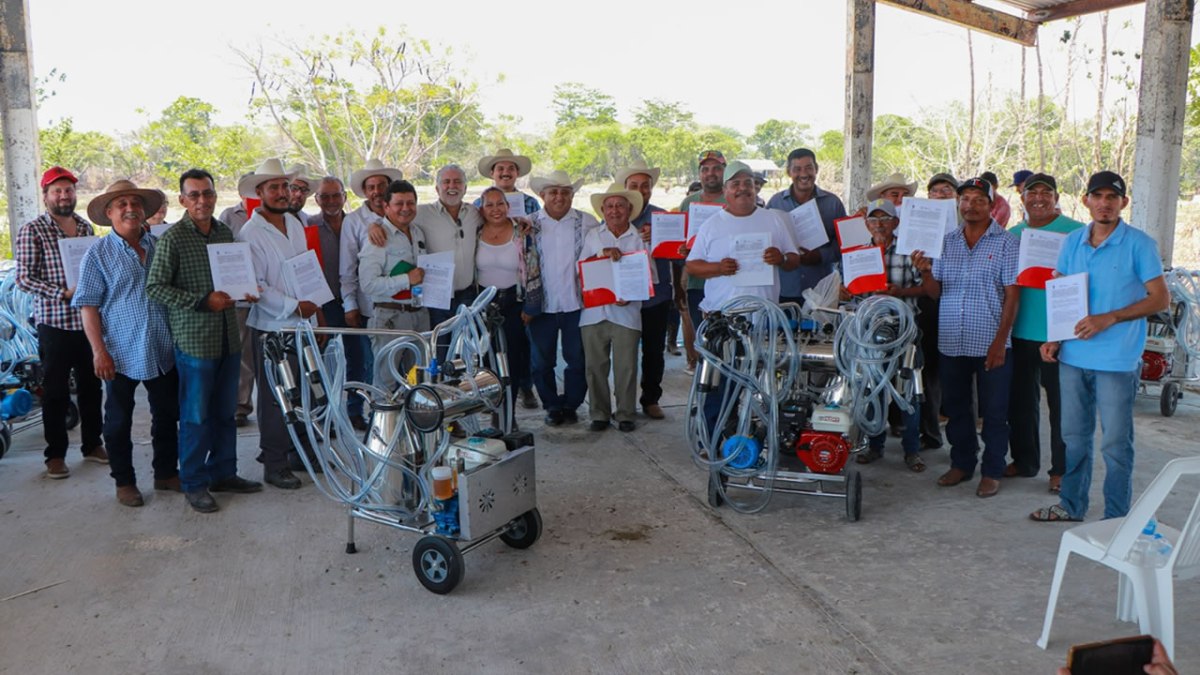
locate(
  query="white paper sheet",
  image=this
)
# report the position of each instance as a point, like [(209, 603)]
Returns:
[(666, 227), (516, 204), (924, 224), (437, 287), (853, 232), (157, 231), (631, 276), (807, 226), (748, 251), (861, 263), (71, 250), (305, 279), (1039, 249), (233, 269), (1066, 305), (698, 212)]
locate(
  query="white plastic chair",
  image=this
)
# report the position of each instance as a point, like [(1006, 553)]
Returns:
[(1143, 590)]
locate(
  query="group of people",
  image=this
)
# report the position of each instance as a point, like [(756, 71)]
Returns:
[(145, 309)]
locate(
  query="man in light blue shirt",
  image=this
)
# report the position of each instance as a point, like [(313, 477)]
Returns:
[(818, 263), (1098, 371)]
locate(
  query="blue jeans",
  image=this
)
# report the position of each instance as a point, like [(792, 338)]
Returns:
[(961, 375), (162, 393), (694, 297), (207, 403), (1111, 394), (911, 440), (355, 346), (544, 332)]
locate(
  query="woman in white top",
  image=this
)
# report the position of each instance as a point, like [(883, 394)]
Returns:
[(507, 259)]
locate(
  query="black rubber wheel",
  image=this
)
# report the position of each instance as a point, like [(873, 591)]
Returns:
[(438, 564), (853, 495), (5, 438), (524, 531), (716, 482), (1170, 398), (72, 415)]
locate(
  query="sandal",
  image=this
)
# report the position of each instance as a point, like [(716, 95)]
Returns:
[(914, 462), (869, 456), (1055, 484), (1053, 514)]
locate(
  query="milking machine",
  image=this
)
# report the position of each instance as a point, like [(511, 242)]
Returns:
[(429, 462), (1169, 358)]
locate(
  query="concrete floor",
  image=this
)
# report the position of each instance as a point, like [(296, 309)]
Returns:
[(634, 573)]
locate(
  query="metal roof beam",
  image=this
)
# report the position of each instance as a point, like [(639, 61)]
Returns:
[(975, 17)]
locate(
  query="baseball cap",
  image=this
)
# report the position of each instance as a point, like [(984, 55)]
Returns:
[(1039, 179), (1021, 176), (734, 169), (57, 173), (942, 178), (760, 176), (884, 205), (978, 184), (1098, 181), (711, 154)]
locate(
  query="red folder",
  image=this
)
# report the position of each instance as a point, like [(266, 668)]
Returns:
[(1035, 277), (869, 283), (852, 232), (672, 250)]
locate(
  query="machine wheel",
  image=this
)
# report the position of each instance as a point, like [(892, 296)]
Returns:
[(5, 438), (525, 530), (1170, 398), (853, 495), (716, 482), (72, 415), (438, 564)]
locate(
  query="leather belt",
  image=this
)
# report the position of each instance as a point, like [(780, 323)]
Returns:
[(398, 306)]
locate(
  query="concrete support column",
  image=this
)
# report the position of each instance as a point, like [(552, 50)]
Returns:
[(18, 115), (860, 94), (1161, 111)]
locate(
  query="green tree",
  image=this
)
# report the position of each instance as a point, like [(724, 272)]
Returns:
[(776, 138), (85, 153), (594, 152), (663, 115), (575, 103), (184, 137)]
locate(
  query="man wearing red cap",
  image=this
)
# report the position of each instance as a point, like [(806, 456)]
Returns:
[(62, 344)]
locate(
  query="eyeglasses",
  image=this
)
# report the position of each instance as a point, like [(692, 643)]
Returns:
[(298, 189), (878, 221), (195, 195)]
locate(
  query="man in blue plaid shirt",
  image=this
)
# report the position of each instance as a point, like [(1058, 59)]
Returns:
[(975, 279), (130, 340)]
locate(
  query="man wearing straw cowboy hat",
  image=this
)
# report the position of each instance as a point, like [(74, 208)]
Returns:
[(62, 345), (655, 311), (275, 236), (558, 232), (298, 191), (207, 343), (894, 188), (370, 184), (130, 339)]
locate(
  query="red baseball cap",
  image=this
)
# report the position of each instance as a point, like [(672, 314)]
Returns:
[(57, 173)]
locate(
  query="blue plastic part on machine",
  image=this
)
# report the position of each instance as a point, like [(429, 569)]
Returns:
[(15, 403), (432, 369), (809, 326), (446, 517), (744, 451)]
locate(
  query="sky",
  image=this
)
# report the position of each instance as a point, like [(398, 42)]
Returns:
[(732, 64)]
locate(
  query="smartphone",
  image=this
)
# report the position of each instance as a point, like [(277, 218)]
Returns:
[(1122, 656)]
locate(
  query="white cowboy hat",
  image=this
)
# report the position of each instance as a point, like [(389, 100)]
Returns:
[(555, 179), (269, 170), (301, 172), (152, 200), (896, 180), (505, 155), (618, 190), (374, 167), (638, 167)]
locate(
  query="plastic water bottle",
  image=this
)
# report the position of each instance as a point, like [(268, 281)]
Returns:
[(1151, 547), (416, 295)]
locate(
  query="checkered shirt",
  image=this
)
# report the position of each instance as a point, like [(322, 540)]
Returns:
[(40, 271), (113, 279), (973, 282), (180, 278), (900, 271)]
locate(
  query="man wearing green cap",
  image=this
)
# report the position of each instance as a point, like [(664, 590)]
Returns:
[(712, 191)]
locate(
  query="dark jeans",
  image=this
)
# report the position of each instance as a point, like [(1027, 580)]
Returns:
[(515, 339), (64, 351), (355, 345), (1030, 375), (910, 442), (274, 442), (163, 395), (654, 344), (544, 332), (694, 297), (931, 408), (207, 403), (959, 377)]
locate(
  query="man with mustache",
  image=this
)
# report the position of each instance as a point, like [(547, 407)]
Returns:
[(451, 225), (299, 190), (62, 344), (130, 340)]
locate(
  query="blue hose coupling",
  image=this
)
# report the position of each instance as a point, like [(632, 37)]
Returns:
[(743, 451)]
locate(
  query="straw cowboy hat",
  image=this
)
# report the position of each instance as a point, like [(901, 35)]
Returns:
[(618, 190), (505, 155), (555, 179), (895, 180), (269, 170), (638, 167), (301, 172), (152, 200), (374, 167)]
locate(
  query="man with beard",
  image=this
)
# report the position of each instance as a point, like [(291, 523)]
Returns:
[(62, 344), (816, 264), (451, 225), (299, 190), (275, 236), (129, 336), (504, 168)]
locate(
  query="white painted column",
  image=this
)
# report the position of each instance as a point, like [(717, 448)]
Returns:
[(18, 115)]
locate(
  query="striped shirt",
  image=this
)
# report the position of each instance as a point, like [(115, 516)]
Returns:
[(973, 282), (40, 270), (113, 279)]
